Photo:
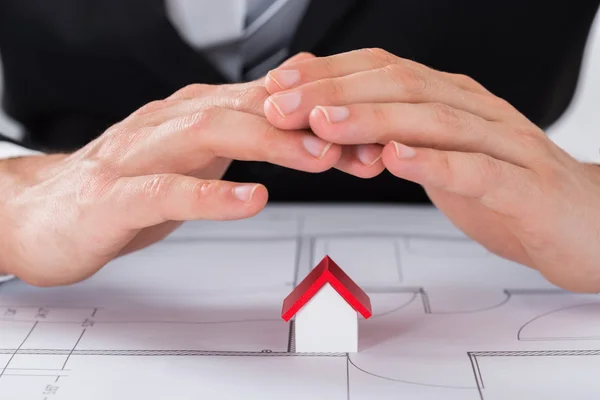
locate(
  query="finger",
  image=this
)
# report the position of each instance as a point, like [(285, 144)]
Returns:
[(303, 56), (362, 161), (247, 97), (146, 201), (422, 125), (189, 100), (394, 84), (193, 141), (249, 100), (201, 90), (260, 82), (314, 69), (500, 186), (254, 91)]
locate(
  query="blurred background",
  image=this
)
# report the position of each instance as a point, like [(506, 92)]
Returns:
[(578, 131)]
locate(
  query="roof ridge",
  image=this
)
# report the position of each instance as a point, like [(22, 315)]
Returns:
[(327, 271)]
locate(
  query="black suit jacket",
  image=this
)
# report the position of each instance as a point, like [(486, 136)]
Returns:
[(75, 67)]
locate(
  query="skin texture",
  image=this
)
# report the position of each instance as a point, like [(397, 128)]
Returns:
[(64, 216), (493, 172)]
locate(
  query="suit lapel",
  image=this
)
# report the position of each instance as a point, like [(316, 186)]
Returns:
[(320, 17)]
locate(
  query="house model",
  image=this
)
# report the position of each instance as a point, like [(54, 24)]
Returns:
[(325, 308)]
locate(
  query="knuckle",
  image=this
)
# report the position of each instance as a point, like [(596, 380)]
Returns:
[(408, 79), (544, 160), (445, 115), (333, 88), (488, 169), (444, 162), (202, 119), (193, 90), (159, 186), (381, 115), (196, 89), (443, 173), (250, 99), (305, 55), (466, 81), (380, 56), (328, 66), (479, 173), (207, 189), (256, 93), (270, 137), (99, 176), (151, 107), (298, 58), (195, 129), (531, 138), (528, 132), (501, 104)]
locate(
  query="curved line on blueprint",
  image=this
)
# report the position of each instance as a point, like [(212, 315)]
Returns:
[(410, 382), (549, 313), (400, 307)]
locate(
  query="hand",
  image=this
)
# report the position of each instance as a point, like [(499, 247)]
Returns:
[(494, 173), (64, 216)]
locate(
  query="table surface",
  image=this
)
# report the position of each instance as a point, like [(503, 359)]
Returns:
[(199, 316)]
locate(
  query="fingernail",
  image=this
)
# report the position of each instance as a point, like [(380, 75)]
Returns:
[(286, 103), (335, 114), (285, 78), (403, 151), (368, 155), (244, 192), (315, 146)]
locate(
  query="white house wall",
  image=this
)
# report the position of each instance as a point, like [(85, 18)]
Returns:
[(326, 324)]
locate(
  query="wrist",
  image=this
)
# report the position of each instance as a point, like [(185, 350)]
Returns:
[(16, 175), (26, 170)]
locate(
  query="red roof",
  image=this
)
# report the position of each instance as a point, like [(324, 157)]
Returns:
[(326, 272)]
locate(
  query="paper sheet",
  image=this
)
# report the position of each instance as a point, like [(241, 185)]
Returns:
[(198, 316)]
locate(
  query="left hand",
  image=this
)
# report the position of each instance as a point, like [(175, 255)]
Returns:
[(493, 172)]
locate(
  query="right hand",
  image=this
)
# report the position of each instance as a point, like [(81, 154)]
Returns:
[(63, 217)]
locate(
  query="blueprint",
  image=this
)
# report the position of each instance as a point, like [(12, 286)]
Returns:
[(198, 316)]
